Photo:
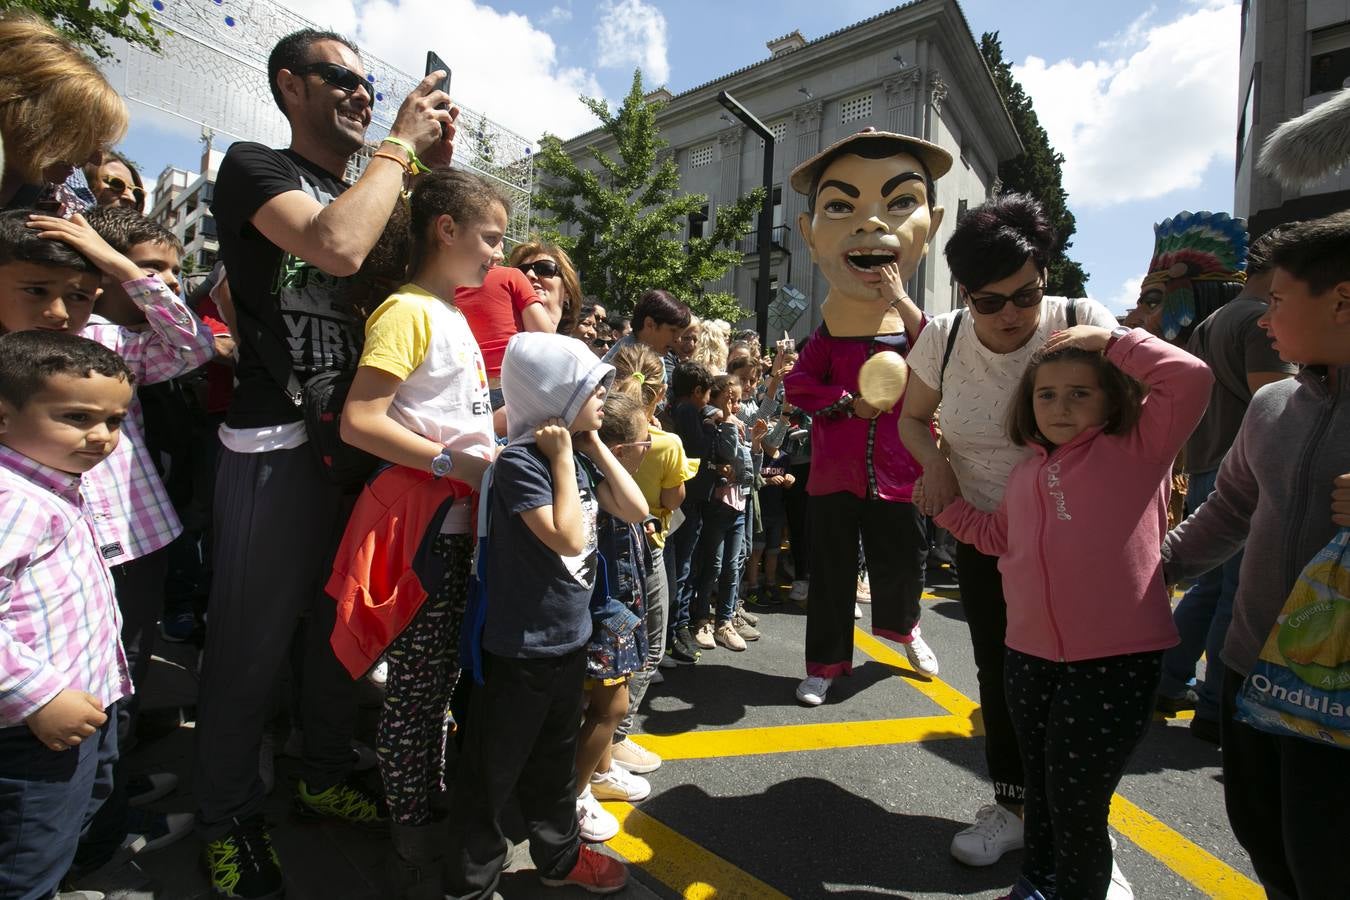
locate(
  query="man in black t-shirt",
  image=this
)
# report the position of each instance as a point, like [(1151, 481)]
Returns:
[(291, 233)]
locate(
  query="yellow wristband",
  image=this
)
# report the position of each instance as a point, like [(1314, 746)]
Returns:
[(418, 167)]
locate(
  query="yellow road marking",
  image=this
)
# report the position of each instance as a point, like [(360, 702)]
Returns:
[(680, 864), (816, 736), (1210, 874), (1189, 860)]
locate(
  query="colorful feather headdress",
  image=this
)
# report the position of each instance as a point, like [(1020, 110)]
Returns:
[(1191, 247)]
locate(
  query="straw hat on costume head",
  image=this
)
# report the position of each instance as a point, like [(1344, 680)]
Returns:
[(1198, 264)]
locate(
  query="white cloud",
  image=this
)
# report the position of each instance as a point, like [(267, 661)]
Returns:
[(558, 14), (633, 33), (1134, 33), (1149, 123), (503, 65), (1126, 297)]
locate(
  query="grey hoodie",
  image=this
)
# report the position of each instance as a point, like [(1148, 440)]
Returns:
[(546, 376), (1274, 493)]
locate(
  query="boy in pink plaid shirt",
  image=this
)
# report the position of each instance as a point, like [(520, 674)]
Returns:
[(129, 506), (63, 400)]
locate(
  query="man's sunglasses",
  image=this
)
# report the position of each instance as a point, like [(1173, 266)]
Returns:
[(545, 268), (988, 304), (602, 343), (119, 187), (340, 77)]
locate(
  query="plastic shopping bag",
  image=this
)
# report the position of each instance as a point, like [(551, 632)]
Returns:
[(1301, 682)]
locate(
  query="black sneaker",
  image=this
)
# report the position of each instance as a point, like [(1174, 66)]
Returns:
[(242, 865), (767, 595), (682, 648), (1170, 706), (347, 801)]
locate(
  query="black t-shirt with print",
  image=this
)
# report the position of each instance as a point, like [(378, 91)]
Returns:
[(280, 298)]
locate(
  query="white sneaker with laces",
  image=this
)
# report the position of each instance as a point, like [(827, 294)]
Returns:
[(812, 690), (1120, 888), (704, 636), (597, 824), (857, 611), (634, 757), (996, 831), (920, 655), (620, 784), (799, 591)]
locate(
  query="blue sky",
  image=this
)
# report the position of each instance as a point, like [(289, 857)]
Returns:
[(1140, 97)]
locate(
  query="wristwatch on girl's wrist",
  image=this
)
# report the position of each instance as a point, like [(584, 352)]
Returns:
[(1116, 334), (442, 465)]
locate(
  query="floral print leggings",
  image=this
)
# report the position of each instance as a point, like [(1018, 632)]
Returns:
[(423, 668)]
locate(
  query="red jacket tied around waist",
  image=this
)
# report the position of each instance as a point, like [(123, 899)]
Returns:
[(384, 564)]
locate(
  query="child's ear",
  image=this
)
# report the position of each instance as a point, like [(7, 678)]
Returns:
[(6, 411), (445, 228), (1341, 310)]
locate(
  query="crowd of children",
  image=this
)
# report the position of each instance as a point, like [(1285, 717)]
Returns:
[(530, 545)]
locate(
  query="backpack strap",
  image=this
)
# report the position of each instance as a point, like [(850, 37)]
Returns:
[(951, 345)]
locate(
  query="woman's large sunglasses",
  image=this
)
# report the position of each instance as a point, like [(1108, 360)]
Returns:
[(544, 268), (340, 77), (119, 187), (988, 304)]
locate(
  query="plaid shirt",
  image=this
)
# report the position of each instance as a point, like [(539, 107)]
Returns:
[(131, 509), (59, 624)]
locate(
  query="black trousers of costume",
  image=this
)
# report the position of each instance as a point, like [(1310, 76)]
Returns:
[(895, 545)]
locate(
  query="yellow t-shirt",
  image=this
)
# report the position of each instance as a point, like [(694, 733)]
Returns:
[(664, 466)]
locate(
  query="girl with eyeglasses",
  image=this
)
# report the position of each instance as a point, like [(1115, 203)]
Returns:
[(970, 361)]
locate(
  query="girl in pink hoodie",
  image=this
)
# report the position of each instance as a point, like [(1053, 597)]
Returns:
[(1078, 536)]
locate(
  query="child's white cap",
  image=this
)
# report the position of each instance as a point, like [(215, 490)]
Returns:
[(546, 376)]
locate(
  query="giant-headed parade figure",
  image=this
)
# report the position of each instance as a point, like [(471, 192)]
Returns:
[(871, 211)]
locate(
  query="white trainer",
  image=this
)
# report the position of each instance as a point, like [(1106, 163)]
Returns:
[(620, 784), (597, 824), (996, 831), (799, 590), (812, 690), (920, 655), (634, 757), (1120, 887), (857, 611)]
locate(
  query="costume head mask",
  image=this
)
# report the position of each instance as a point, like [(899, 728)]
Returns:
[(870, 201), (1198, 265)]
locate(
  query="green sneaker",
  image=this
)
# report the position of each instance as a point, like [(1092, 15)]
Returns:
[(345, 801), (242, 865)]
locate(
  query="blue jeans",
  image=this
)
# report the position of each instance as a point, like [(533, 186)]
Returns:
[(1202, 619), (679, 559), (717, 561), (47, 799)]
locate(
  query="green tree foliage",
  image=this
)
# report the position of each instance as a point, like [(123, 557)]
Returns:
[(91, 23), (629, 217), (1038, 171)]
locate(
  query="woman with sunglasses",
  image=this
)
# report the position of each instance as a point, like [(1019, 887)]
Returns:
[(554, 280), (115, 182), (969, 361)]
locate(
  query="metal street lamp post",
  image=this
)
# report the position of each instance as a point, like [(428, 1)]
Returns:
[(765, 213)]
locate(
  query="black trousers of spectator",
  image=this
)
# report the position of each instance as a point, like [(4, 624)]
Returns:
[(895, 545), (987, 617), (1289, 804), (277, 525), (521, 737)]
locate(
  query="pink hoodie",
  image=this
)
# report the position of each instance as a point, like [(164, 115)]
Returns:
[(1079, 530)]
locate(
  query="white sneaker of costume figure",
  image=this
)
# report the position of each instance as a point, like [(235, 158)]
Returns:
[(921, 658)]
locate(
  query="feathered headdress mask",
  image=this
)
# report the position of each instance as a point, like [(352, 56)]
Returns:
[(1189, 248)]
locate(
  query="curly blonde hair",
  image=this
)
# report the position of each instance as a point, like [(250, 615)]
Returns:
[(712, 345), (55, 105)]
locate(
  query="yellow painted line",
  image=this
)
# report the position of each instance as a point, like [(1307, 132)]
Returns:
[(935, 689), (1201, 868), (680, 864), (712, 743)]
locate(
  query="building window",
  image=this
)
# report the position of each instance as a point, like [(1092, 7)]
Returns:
[(777, 206), (697, 221), (855, 108), (1245, 121), (779, 130), (1329, 60), (962, 208), (1246, 14), (700, 156)]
